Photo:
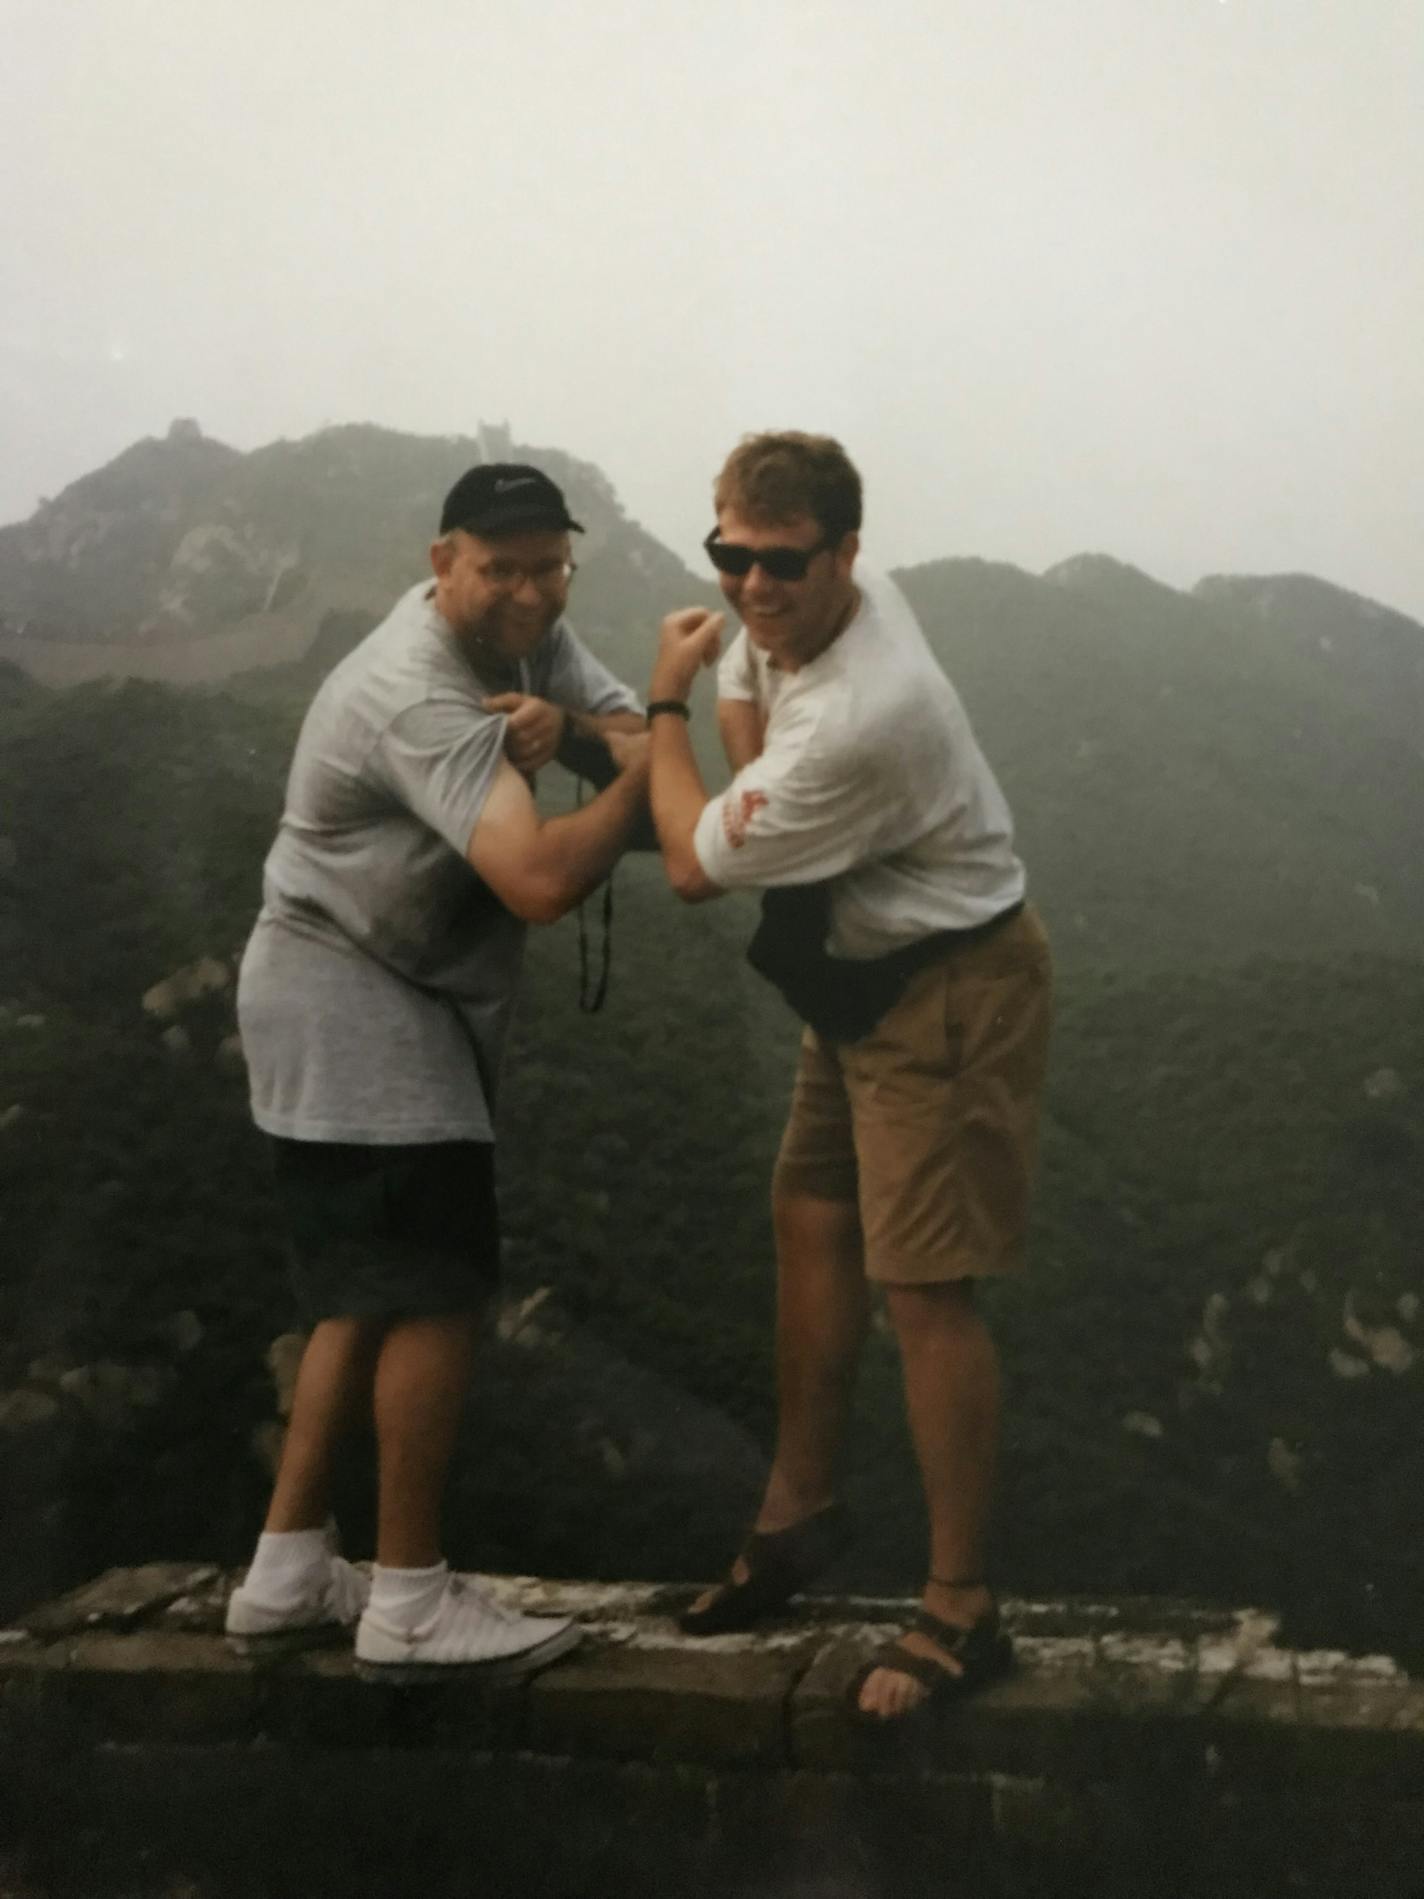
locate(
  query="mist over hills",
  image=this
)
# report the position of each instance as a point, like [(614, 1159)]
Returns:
[(187, 561), (1220, 1347), (1196, 775), (181, 538)]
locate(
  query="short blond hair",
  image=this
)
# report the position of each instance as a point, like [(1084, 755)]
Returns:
[(776, 476)]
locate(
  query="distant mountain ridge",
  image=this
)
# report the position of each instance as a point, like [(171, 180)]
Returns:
[(182, 540), (182, 544), (1200, 775)]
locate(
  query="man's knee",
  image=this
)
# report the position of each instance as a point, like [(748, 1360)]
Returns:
[(938, 1308)]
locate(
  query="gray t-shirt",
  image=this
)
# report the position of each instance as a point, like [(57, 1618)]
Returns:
[(376, 988)]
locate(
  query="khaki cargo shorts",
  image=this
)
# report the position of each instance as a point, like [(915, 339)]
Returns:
[(930, 1123)]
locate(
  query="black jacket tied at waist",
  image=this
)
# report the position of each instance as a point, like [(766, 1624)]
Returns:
[(839, 997)]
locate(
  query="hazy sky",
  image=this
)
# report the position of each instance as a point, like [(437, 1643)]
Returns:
[(1140, 276)]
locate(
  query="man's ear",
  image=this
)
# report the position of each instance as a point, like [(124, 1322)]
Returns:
[(846, 552), (442, 556)]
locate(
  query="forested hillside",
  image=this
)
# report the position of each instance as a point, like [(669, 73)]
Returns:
[(184, 560), (1214, 1364), (1196, 781)]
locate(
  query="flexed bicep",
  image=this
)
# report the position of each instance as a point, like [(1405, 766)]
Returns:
[(504, 848)]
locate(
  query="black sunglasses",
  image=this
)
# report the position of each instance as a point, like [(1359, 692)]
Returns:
[(777, 563)]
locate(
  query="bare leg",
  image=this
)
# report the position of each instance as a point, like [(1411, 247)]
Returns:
[(822, 1308), (333, 1392), (951, 1372), (422, 1375)]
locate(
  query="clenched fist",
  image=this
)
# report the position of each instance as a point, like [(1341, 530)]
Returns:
[(535, 730), (690, 639), (629, 750)]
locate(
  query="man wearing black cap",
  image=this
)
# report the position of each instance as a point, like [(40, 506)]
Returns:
[(373, 1002)]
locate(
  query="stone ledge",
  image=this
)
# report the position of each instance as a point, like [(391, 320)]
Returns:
[(1103, 1691), (1139, 1748)]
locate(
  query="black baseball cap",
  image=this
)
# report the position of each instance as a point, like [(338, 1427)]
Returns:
[(502, 498)]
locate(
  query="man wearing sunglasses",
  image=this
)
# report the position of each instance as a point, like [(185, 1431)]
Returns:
[(373, 1000), (893, 920)]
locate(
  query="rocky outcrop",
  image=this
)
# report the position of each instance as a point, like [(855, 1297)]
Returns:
[(185, 542), (109, 1393), (221, 573), (166, 1000)]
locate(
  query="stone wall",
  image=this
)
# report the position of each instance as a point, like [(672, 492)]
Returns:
[(1140, 1748)]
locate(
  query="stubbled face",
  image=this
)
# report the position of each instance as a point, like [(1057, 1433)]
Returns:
[(503, 595), (791, 620)]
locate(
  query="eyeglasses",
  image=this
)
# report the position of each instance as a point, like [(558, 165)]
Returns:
[(508, 576), (777, 563)]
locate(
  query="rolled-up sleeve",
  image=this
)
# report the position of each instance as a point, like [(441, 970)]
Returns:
[(736, 673), (439, 760)]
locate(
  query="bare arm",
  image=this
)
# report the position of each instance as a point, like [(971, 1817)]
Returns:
[(541, 868), (689, 642)]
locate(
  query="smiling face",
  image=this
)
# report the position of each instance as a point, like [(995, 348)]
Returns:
[(790, 620), (501, 595)]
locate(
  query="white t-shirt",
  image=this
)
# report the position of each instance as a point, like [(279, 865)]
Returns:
[(871, 776)]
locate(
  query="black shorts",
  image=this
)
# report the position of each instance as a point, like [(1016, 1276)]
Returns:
[(389, 1232)]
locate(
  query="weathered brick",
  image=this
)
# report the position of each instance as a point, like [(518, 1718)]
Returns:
[(320, 1701), (666, 1704), (29, 1700), (155, 1686), (1119, 1751), (120, 1598), (1043, 1818), (847, 1835)]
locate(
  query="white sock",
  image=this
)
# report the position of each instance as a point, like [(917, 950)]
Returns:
[(407, 1597), (286, 1563)]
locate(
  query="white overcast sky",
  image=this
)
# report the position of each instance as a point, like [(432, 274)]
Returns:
[(1139, 276)]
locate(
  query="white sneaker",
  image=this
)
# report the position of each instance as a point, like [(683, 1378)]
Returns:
[(468, 1632), (328, 1613)]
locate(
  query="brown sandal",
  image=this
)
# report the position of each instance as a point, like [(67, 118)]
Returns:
[(984, 1652), (779, 1562)]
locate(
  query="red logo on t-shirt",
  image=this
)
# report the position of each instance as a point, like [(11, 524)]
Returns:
[(737, 815)]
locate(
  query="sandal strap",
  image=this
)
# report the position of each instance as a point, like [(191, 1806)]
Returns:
[(785, 1559), (903, 1661), (971, 1647), (779, 1563), (982, 1652)]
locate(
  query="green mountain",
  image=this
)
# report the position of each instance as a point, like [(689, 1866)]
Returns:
[(1196, 776), (94, 561), (185, 560), (1218, 1351), (1194, 782), (1215, 1363)]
